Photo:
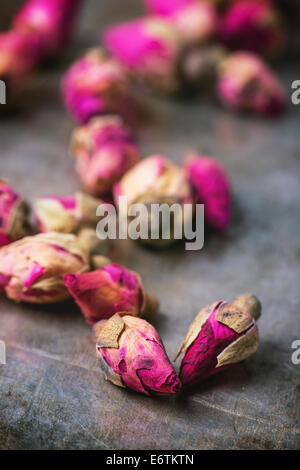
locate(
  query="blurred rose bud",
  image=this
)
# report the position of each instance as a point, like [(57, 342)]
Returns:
[(250, 303), (32, 269), (254, 26), (131, 354), (221, 335), (156, 181), (165, 7), (104, 150), (149, 48), (13, 215), (108, 290), (246, 83), (66, 214), (51, 19), (194, 20), (211, 187), (95, 84)]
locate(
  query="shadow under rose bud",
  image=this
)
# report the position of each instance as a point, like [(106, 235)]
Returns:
[(102, 293), (221, 335), (131, 354)]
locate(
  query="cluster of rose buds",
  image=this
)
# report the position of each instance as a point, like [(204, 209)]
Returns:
[(13, 215), (96, 84), (66, 214), (109, 290), (104, 150), (39, 29)]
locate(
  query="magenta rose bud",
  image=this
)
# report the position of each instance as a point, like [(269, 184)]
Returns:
[(104, 150), (52, 19), (211, 186), (108, 290), (96, 84), (246, 83), (221, 335), (66, 214), (13, 215), (165, 7), (149, 48), (254, 26), (32, 269), (131, 354)]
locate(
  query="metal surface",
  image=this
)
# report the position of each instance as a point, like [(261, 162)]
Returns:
[(52, 395)]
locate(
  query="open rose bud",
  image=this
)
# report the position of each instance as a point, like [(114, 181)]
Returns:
[(156, 181), (211, 187), (222, 334), (95, 84), (108, 290), (13, 215), (104, 150), (246, 83), (131, 354), (194, 20), (149, 48), (254, 26), (32, 269), (66, 214), (51, 19)]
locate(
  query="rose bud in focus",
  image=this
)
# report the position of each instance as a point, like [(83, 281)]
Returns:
[(156, 181), (254, 26), (66, 214), (246, 83), (13, 215), (194, 20), (131, 354), (32, 269), (51, 19), (211, 187), (104, 150), (221, 335), (95, 84), (108, 290), (250, 303), (149, 48)]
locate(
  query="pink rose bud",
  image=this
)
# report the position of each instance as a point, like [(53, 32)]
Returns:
[(246, 83), (51, 19), (131, 354), (155, 180), (104, 150), (96, 84), (194, 20), (32, 269), (254, 26), (13, 215), (211, 187), (149, 48), (66, 214), (221, 335), (108, 290)]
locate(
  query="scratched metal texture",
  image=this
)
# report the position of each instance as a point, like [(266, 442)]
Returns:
[(52, 395)]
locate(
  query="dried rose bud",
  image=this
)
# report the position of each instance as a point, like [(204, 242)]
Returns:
[(220, 335), (108, 290), (250, 303), (131, 354), (211, 187), (51, 19), (66, 214), (156, 180), (95, 84), (194, 20), (254, 26), (32, 269), (13, 215), (104, 150), (149, 48), (246, 83)]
